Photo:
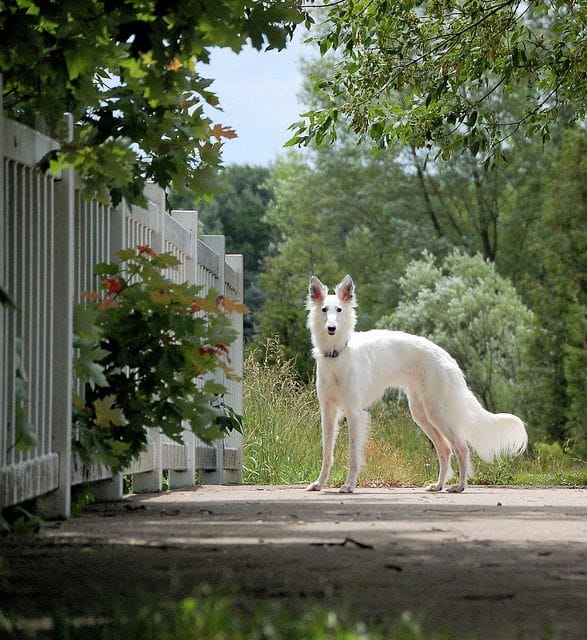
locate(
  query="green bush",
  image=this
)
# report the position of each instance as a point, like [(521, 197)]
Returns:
[(147, 350), (476, 315)]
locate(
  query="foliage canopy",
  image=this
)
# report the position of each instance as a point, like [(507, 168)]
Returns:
[(433, 72), (130, 74)]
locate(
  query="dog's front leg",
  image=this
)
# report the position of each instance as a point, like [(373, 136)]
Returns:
[(358, 423), (329, 416)]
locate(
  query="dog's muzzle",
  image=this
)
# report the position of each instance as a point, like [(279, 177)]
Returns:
[(331, 330)]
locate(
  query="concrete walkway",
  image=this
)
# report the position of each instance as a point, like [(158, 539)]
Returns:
[(494, 563)]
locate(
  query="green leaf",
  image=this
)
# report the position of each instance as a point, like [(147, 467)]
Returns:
[(214, 388), (106, 269), (91, 372), (126, 254)]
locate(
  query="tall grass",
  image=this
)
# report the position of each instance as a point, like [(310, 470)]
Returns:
[(282, 428), (282, 443), (282, 432)]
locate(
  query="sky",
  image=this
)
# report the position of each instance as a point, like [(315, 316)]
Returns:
[(258, 92)]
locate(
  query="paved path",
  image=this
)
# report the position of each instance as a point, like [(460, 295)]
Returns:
[(502, 563)]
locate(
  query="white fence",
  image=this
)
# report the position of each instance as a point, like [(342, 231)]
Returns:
[(50, 240)]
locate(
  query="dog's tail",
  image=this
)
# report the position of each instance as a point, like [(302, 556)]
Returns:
[(493, 434)]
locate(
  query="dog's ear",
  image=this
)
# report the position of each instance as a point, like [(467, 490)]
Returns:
[(345, 289), (317, 291)]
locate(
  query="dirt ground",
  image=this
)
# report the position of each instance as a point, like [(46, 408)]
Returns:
[(495, 563)]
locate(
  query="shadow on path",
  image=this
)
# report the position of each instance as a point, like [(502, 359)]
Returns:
[(500, 563)]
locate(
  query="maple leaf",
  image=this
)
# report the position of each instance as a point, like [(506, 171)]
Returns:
[(107, 413), (205, 304), (93, 296), (112, 285), (160, 296), (219, 132), (145, 249), (187, 104), (231, 306)]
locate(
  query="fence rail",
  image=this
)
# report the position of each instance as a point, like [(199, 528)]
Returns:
[(51, 238)]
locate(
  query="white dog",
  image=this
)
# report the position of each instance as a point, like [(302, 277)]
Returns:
[(355, 368)]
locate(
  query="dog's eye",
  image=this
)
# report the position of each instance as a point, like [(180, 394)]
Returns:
[(338, 310), (324, 309)]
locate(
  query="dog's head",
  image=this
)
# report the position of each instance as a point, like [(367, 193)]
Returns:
[(334, 312)]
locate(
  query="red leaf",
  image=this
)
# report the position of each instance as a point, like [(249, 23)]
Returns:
[(219, 132), (145, 249), (112, 285)]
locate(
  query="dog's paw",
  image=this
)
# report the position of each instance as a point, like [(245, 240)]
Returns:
[(434, 488), (315, 486), (346, 489), (456, 488)]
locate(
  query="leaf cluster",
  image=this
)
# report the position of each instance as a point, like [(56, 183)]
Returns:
[(147, 351), (130, 74), (430, 72)]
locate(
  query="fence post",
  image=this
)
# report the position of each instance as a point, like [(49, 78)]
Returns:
[(186, 478), (150, 481), (216, 476), (58, 502), (177, 479), (189, 219), (234, 475)]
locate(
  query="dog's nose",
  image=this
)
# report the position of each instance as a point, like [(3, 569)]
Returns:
[(331, 329)]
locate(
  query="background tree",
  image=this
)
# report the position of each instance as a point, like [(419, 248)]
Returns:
[(557, 289), (434, 71), (130, 74), (340, 210)]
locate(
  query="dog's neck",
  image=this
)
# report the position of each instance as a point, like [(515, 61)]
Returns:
[(330, 346), (334, 353)]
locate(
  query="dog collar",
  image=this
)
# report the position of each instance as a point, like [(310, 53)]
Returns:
[(335, 353)]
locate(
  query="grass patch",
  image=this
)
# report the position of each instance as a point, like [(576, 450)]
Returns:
[(212, 617), (545, 465), (282, 443), (282, 440)]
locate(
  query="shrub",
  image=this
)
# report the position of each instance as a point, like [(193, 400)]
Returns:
[(472, 312), (147, 349)]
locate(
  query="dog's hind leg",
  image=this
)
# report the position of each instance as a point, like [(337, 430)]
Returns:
[(330, 417), (440, 442), (462, 451), (358, 424)]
